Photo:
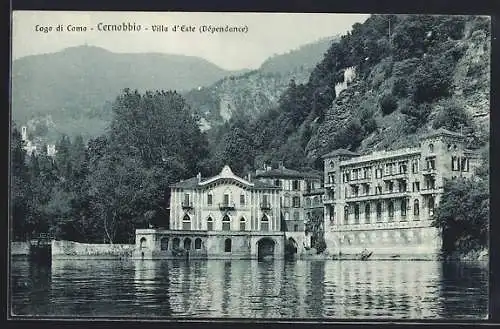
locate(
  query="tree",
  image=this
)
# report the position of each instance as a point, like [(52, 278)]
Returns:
[(388, 103), (19, 185), (463, 215), (452, 117)]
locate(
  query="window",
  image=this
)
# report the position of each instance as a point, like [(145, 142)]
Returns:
[(264, 223), (390, 209), (464, 164), (367, 212), (389, 187), (416, 186), (142, 243), (197, 243), (226, 199), (209, 199), (430, 205), (164, 244), (296, 202), (366, 189), (403, 168), (454, 163), (186, 223), (402, 186), (414, 166), (175, 243), (356, 214), (226, 223), (431, 163), (242, 224), (431, 148), (378, 173), (317, 201), (403, 208), (277, 182), (346, 214), (227, 245), (379, 211), (242, 199), (308, 202), (296, 215), (378, 190), (416, 208), (186, 200), (296, 228), (355, 190), (296, 185), (210, 224), (287, 201), (187, 244)]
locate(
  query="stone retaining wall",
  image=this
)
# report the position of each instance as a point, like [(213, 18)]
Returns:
[(70, 249)]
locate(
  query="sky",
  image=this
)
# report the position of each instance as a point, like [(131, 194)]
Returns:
[(265, 34)]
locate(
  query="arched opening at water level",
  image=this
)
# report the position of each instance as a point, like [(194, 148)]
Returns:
[(265, 248)]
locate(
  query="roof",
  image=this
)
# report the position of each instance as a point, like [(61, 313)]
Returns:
[(226, 173), (287, 173), (187, 183), (442, 132), (340, 152)]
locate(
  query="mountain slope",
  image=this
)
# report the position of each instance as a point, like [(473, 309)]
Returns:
[(253, 93), (376, 90), (75, 83)]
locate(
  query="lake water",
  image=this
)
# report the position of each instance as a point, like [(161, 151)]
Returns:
[(250, 289)]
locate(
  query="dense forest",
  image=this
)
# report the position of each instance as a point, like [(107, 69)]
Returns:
[(424, 72)]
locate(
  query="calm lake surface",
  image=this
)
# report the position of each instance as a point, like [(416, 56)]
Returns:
[(251, 289)]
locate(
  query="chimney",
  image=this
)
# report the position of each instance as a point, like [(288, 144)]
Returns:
[(199, 177)]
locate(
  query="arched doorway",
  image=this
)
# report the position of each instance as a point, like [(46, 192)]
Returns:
[(290, 248), (265, 248)]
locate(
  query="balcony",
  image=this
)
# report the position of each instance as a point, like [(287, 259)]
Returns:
[(265, 206), (328, 201), (429, 171), (314, 191), (431, 190), (386, 195), (227, 206), (187, 205)]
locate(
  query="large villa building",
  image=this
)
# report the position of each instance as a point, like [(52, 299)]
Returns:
[(381, 203)]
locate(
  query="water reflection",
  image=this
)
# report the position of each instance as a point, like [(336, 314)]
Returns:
[(251, 289)]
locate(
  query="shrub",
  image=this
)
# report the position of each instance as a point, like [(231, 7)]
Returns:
[(400, 87), (417, 114), (452, 117), (430, 82), (388, 103)]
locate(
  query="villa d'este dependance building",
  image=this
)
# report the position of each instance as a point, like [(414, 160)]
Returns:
[(381, 203)]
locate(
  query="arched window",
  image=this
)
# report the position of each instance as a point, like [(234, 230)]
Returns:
[(227, 245), (296, 215), (367, 212), (430, 205), (390, 210), (210, 223), (379, 211), (416, 208), (317, 200), (226, 223), (287, 201), (296, 228), (431, 148), (346, 214), (242, 224), (187, 243), (403, 208), (186, 222), (175, 243), (143, 243), (308, 202), (296, 202), (356, 214), (264, 223), (287, 215), (164, 244), (197, 243)]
